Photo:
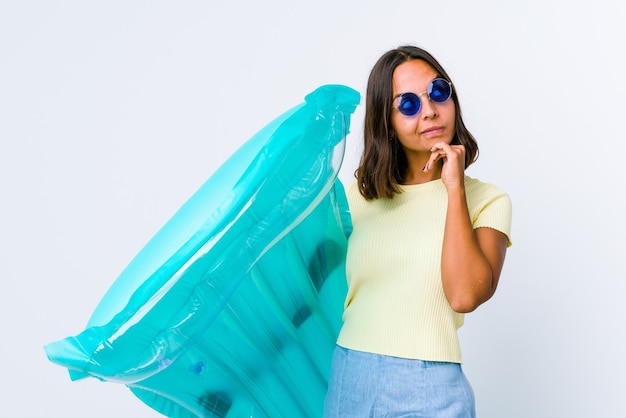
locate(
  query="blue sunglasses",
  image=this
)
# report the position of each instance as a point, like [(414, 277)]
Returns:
[(439, 90)]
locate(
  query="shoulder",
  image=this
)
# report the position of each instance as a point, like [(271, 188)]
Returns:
[(357, 204), (476, 186), (353, 194), (478, 192), (489, 205)]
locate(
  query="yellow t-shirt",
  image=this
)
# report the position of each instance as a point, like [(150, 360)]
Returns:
[(395, 303)]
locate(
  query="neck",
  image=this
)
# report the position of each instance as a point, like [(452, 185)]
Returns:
[(415, 174)]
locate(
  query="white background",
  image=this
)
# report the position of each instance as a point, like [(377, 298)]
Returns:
[(113, 113)]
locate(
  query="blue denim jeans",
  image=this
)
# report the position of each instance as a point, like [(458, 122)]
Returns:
[(372, 385)]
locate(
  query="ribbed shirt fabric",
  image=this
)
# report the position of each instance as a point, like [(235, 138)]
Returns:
[(395, 303)]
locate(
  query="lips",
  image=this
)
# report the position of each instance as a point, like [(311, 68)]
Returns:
[(432, 129)]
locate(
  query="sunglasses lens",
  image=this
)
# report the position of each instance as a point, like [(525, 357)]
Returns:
[(439, 90), (409, 104)]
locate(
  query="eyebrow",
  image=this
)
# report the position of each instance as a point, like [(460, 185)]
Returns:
[(436, 77)]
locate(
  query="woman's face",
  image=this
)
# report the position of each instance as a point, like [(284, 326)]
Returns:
[(433, 123)]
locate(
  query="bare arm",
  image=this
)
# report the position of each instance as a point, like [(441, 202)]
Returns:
[(471, 260)]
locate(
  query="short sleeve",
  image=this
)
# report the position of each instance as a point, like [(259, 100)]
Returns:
[(490, 207)]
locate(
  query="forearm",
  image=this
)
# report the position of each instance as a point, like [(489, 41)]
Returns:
[(466, 274)]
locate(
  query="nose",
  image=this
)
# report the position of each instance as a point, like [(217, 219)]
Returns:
[(429, 108)]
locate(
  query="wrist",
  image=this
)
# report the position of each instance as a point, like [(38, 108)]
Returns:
[(456, 189)]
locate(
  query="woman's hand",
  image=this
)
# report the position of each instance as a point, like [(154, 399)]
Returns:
[(453, 169)]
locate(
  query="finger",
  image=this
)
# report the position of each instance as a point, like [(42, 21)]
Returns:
[(442, 147), (434, 157)]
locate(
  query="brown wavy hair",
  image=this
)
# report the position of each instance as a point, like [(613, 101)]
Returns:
[(384, 164)]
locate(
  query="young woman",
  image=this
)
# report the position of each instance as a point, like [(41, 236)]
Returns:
[(428, 245)]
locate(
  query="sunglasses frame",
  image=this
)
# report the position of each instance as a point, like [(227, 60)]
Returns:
[(417, 99)]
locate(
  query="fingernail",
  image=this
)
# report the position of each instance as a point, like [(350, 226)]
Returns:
[(425, 167)]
